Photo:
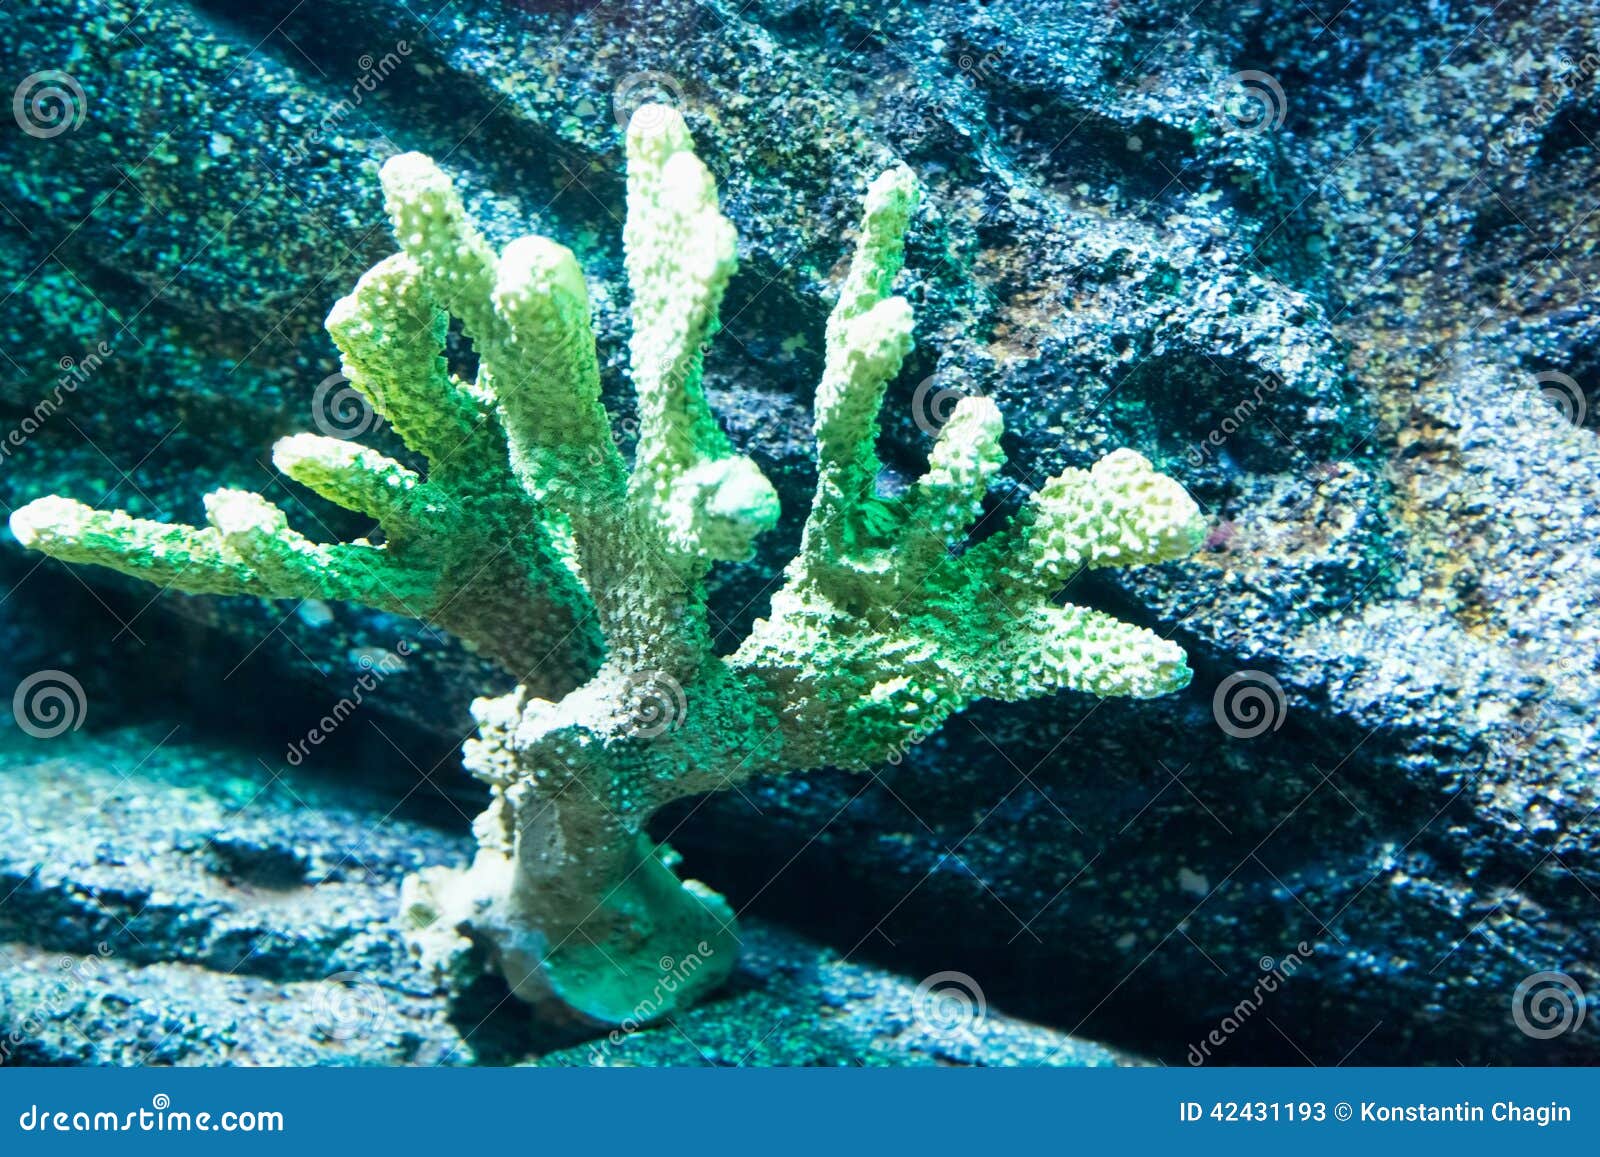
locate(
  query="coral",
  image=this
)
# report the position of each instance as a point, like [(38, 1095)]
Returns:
[(532, 538)]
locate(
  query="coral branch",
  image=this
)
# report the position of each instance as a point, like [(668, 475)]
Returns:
[(529, 536), (355, 478), (947, 500), (709, 502), (158, 552), (868, 337), (391, 337), (1119, 513)]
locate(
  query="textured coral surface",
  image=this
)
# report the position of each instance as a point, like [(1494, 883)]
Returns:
[(885, 627)]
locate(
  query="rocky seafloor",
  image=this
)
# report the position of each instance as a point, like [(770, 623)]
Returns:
[(1334, 266)]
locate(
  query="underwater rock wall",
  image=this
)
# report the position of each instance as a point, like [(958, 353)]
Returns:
[(1333, 269)]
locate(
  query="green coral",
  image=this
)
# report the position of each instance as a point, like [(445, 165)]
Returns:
[(532, 538)]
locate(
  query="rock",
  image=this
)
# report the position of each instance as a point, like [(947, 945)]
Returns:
[(123, 946), (1332, 276)]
